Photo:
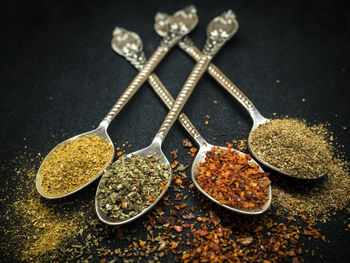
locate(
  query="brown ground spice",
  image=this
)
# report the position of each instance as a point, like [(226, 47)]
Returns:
[(293, 146), (320, 198)]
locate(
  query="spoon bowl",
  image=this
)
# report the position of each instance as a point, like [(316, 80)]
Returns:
[(206, 147), (258, 120), (100, 131), (160, 26), (220, 27), (122, 47), (176, 32), (153, 150)]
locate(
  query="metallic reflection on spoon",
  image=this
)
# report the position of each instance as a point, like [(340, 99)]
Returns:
[(133, 53), (160, 26)]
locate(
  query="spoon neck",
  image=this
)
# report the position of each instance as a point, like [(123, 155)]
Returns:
[(257, 118), (157, 141), (104, 124), (200, 141)]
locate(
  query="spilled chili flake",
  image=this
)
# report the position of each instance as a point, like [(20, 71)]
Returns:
[(231, 179)]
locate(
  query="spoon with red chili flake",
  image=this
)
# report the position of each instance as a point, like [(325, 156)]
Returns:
[(129, 45), (219, 31), (186, 44)]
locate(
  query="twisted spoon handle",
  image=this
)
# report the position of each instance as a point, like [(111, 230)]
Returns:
[(138, 60), (188, 46), (136, 83), (184, 94), (169, 101)]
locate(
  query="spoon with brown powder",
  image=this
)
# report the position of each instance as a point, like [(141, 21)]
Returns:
[(263, 139), (80, 160)]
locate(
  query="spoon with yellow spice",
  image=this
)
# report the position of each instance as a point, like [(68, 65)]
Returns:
[(80, 160)]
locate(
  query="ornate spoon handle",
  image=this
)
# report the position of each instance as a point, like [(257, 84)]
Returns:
[(136, 83), (169, 101), (184, 94), (188, 46), (181, 23), (129, 45), (220, 30)]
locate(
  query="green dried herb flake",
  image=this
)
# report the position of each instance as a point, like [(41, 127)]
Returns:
[(130, 185)]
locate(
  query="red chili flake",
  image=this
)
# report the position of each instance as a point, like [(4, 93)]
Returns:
[(142, 243), (215, 102), (174, 164), (206, 122), (202, 219), (119, 154), (174, 153), (202, 232), (193, 150), (183, 205), (231, 179), (186, 143), (216, 247), (174, 244), (178, 228)]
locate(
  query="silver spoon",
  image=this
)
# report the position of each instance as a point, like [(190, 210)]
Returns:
[(137, 58), (219, 30), (186, 44), (180, 24)]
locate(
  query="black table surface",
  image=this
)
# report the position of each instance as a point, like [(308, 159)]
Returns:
[(59, 75)]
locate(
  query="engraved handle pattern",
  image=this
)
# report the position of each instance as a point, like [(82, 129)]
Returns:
[(138, 60), (188, 46), (169, 101), (136, 83), (184, 94)]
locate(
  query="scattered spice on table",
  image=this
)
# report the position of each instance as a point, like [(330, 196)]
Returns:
[(320, 198), (35, 227), (232, 180), (130, 185), (293, 146), (73, 164), (201, 231), (186, 143)]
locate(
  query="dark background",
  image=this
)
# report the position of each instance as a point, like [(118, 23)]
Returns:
[(59, 76)]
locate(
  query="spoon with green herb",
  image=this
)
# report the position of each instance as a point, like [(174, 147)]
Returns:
[(80, 160), (269, 143), (121, 45), (220, 30)]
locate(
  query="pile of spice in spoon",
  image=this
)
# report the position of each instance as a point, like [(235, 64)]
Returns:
[(293, 146), (73, 164), (232, 179), (130, 185)]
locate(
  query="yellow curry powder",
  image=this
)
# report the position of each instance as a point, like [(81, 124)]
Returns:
[(73, 164)]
